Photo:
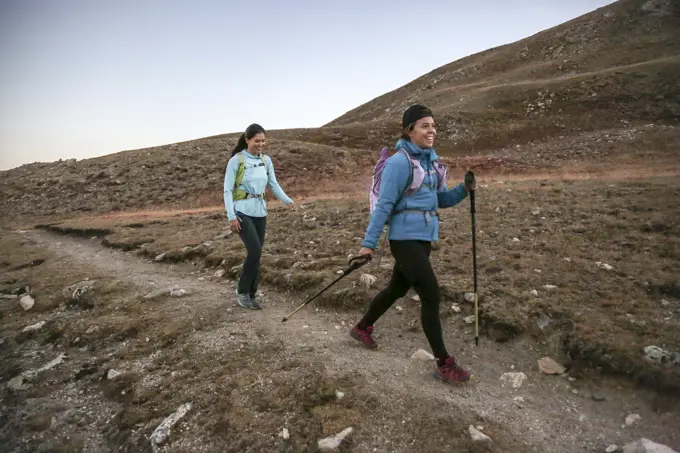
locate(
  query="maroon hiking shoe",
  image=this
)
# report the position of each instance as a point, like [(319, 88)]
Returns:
[(451, 372), (364, 336)]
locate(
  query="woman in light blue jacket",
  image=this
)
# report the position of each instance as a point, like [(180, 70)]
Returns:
[(248, 174), (413, 225)]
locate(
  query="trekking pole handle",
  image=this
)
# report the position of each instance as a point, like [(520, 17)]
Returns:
[(359, 261)]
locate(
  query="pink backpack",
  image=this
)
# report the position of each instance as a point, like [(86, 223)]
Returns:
[(417, 175)]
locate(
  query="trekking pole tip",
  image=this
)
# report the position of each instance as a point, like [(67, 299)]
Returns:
[(285, 318)]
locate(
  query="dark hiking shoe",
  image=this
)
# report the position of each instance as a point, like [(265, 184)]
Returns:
[(245, 301), (364, 336), (257, 299), (451, 372)]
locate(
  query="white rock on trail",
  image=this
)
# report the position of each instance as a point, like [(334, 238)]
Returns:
[(534, 292), (422, 355), (478, 436), (161, 433), (333, 442), (367, 280), (26, 302), (34, 327), (546, 365), (646, 446), (515, 379), (469, 297), (632, 419)]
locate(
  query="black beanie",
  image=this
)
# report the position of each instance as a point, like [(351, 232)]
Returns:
[(414, 113)]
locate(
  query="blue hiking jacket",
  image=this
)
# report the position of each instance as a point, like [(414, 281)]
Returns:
[(409, 225)]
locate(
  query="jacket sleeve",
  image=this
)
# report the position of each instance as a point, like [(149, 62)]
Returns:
[(393, 183), (448, 198), (274, 184), (229, 180)]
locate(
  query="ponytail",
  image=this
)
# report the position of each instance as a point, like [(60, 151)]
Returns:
[(240, 145), (251, 131)]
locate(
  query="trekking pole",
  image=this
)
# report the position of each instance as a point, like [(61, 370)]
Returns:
[(469, 180), (354, 264)]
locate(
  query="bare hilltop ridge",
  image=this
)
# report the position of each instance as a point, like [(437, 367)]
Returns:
[(600, 90), (118, 326)]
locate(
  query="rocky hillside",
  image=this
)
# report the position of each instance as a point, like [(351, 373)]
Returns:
[(182, 175), (616, 66), (603, 88)]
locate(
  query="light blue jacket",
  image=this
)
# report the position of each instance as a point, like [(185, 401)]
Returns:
[(409, 225), (254, 181)]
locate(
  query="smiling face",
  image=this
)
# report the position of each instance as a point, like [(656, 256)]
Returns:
[(423, 132), (256, 144)]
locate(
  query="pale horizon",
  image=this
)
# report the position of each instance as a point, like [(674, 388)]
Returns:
[(83, 79)]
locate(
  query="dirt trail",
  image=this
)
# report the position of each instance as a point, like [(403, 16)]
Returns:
[(552, 414)]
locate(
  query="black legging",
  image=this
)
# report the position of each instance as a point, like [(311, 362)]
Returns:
[(412, 269), (252, 235)]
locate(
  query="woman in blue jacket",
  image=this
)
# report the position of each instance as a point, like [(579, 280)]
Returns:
[(413, 225), (246, 205)]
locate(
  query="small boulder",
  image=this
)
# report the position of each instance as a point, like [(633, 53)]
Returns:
[(332, 443), (546, 365), (34, 327), (79, 292), (422, 355), (646, 446), (26, 302), (632, 419), (478, 436), (515, 379), (367, 280)]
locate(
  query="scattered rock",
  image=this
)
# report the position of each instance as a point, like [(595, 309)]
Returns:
[(469, 297), (8, 296), (534, 293), (632, 418), (18, 383), (340, 272), (26, 302), (655, 354), (515, 239), (536, 211), (219, 273), (612, 448), (604, 266), (339, 395), (92, 329), (367, 280), (284, 434), (546, 365), (478, 436), (514, 378), (160, 257), (664, 303), (416, 298), (34, 327), (113, 374), (79, 292), (157, 293), (161, 433), (422, 355), (178, 292), (646, 446), (455, 308), (333, 442), (469, 319), (549, 287), (399, 308), (543, 321)]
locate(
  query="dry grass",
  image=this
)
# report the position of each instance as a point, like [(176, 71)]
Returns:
[(604, 318)]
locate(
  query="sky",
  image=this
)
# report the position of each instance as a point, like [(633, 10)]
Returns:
[(85, 78)]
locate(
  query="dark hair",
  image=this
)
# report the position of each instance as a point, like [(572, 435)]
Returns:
[(405, 132), (251, 131)]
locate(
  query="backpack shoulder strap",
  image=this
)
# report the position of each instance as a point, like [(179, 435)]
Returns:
[(240, 169)]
